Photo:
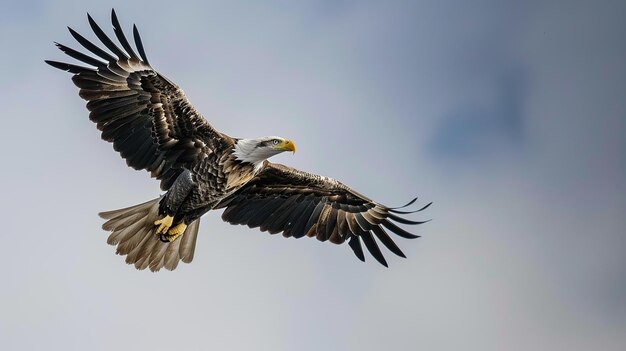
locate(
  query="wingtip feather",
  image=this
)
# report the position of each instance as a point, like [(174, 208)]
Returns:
[(139, 45)]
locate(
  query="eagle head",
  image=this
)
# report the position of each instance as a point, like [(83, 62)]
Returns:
[(256, 151)]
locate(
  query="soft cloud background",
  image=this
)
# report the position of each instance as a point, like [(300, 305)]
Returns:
[(510, 116)]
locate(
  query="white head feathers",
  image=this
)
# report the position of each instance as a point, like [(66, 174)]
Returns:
[(255, 151)]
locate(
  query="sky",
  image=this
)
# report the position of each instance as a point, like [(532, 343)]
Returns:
[(510, 116)]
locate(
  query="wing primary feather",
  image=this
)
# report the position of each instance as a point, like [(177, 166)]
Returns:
[(106, 74), (375, 214), (355, 245), (91, 46), (409, 212), (105, 39), (96, 77), (362, 222), (119, 33), (425, 207), (68, 67), (373, 248), (387, 241), (404, 221), (408, 204), (399, 231), (353, 226), (80, 56), (139, 45), (90, 84), (115, 68)]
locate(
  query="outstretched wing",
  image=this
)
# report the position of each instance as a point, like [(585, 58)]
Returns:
[(297, 203), (147, 117)]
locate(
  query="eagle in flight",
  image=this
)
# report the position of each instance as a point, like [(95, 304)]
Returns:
[(155, 128)]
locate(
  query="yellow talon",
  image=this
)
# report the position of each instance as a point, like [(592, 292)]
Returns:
[(173, 233), (164, 224), (178, 229)]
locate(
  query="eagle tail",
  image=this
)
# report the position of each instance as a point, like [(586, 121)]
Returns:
[(133, 231)]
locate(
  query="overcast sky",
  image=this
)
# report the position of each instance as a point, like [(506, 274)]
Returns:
[(510, 116)]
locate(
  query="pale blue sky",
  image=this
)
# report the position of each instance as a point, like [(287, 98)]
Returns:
[(510, 117)]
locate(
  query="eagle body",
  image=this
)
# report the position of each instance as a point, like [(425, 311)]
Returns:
[(154, 127)]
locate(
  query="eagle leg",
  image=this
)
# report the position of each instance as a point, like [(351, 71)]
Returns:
[(170, 204), (164, 224), (177, 193)]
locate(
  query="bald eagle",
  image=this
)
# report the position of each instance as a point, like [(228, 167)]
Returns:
[(155, 128)]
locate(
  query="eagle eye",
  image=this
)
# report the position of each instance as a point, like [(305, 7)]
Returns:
[(275, 141)]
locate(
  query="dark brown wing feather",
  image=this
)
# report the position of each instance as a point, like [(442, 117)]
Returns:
[(296, 203), (147, 117)]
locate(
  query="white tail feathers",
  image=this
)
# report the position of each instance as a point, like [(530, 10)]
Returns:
[(133, 231)]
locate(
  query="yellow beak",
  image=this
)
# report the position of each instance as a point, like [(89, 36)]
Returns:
[(287, 145)]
